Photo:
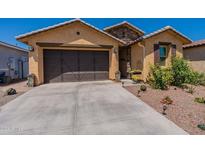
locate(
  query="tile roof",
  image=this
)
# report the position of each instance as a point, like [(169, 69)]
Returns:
[(194, 44), (66, 23), (12, 46), (127, 24), (160, 31)]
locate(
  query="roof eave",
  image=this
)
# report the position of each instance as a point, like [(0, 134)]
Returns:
[(13, 46), (23, 36), (192, 46)]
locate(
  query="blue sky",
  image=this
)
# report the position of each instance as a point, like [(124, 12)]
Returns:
[(11, 27)]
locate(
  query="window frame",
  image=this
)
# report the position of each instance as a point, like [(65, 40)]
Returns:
[(162, 59)]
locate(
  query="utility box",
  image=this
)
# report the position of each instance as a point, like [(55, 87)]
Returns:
[(117, 76), (31, 80)]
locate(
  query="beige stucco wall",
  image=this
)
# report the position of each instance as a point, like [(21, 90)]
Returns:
[(137, 57), (196, 58), (137, 51), (67, 34)]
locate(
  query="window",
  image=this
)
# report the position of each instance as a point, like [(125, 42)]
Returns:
[(163, 54)]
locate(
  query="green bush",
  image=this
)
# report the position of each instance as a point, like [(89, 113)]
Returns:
[(201, 126), (198, 78), (136, 75), (160, 78), (194, 78), (183, 73), (178, 74), (190, 89), (135, 78), (200, 100)]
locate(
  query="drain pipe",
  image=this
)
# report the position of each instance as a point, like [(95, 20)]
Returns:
[(143, 55)]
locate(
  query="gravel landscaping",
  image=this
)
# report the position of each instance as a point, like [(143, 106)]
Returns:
[(20, 87), (184, 112)]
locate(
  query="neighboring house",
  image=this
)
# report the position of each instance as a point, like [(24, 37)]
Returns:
[(13, 61), (77, 51), (195, 54)]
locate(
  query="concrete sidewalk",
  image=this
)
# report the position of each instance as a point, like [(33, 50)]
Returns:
[(100, 107)]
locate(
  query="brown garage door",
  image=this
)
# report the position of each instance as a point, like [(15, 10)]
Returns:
[(65, 66)]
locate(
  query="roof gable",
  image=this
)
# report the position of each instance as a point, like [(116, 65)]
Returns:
[(126, 24), (185, 39), (63, 24)]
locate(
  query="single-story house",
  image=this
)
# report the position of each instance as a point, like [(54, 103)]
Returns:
[(77, 51), (13, 61), (195, 54)]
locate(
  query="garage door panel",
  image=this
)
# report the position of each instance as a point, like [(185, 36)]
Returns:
[(65, 66), (101, 75), (52, 73), (69, 66), (70, 57), (86, 61), (86, 66), (101, 68), (101, 58), (86, 76), (73, 76), (101, 65)]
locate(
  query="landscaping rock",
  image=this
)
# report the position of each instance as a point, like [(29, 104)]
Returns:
[(11, 91)]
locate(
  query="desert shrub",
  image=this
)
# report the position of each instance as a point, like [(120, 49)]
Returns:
[(136, 75), (166, 100), (200, 100), (183, 73), (135, 78), (190, 89), (201, 79), (11, 91), (201, 126), (143, 88), (160, 77), (184, 86), (194, 78), (179, 74)]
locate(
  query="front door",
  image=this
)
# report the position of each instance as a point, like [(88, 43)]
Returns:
[(124, 61)]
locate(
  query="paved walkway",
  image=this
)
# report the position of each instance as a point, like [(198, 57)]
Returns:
[(82, 108)]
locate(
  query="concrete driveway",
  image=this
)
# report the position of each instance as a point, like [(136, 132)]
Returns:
[(82, 108)]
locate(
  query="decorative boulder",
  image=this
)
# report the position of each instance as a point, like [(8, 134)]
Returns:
[(11, 91), (143, 88)]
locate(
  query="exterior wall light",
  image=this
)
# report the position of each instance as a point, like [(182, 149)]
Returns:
[(115, 50), (30, 48)]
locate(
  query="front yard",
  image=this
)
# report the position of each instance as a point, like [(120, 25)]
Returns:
[(20, 88), (184, 111)]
